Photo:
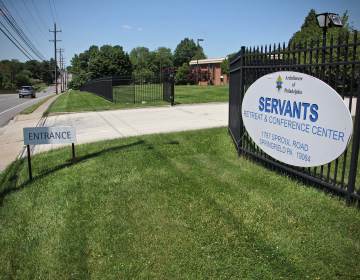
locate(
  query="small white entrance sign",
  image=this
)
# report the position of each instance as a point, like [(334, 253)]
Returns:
[(49, 135), (296, 118)]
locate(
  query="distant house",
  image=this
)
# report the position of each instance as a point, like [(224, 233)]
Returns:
[(209, 71)]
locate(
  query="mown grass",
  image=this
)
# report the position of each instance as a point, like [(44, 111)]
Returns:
[(81, 101), (78, 101), (33, 107), (169, 206), (201, 94)]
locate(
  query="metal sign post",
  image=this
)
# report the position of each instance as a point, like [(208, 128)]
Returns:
[(29, 161), (73, 151)]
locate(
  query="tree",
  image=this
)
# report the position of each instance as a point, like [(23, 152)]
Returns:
[(183, 74), (143, 63), (310, 30), (311, 33), (149, 64), (34, 67), (225, 67), (99, 62), (23, 78), (78, 80), (15, 73), (163, 59), (140, 57), (187, 50), (47, 71)]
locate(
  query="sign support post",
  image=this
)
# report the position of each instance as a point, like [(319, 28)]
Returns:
[(73, 151), (29, 161)]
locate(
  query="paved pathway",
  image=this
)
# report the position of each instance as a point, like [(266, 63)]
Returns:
[(95, 126)]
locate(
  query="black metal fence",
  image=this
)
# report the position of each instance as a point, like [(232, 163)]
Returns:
[(336, 63), (134, 89), (101, 87)]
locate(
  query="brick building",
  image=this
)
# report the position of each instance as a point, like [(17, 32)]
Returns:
[(209, 71)]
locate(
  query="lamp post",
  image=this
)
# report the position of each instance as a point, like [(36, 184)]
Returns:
[(197, 61), (325, 21)]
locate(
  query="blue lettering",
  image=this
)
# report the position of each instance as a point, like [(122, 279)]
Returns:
[(282, 107), (296, 109), (274, 105), (314, 114), (305, 106), (288, 110), (267, 104), (261, 104)]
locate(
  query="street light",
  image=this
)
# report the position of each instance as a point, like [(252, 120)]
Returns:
[(197, 61), (325, 21)]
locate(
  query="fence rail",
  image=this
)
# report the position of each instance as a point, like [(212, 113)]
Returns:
[(337, 64)]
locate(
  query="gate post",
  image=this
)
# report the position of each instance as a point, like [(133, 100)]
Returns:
[(242, 93), (169, 88), (354, 150), (172, 89)]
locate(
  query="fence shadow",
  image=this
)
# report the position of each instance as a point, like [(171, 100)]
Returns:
[(13, 174)]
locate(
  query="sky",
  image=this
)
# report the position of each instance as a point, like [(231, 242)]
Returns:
[(224, 25)]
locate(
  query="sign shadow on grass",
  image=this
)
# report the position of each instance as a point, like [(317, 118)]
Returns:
[(13, 174)]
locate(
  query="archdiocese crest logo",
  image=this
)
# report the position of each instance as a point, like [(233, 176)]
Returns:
[(279, 82)]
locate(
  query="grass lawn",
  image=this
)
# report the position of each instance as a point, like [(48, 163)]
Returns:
[(201, 94), (33, 107), (169, 206), (80, 101)]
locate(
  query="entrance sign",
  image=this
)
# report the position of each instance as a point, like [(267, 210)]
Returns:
[(49, 135), (296, 118)]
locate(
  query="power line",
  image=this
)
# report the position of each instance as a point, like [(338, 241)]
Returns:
[(18, 30), (15, 44), (51, 11), (13, 25), (22, 36), (38, 12), (56, 14), (35, 20), (22, 20)]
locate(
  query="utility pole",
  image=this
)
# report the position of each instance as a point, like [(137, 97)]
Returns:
[(63, 74), (66, 77), (61, 62), (55, 31), (197, 60)]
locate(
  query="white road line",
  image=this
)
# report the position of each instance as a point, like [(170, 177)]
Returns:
[(7, 110)]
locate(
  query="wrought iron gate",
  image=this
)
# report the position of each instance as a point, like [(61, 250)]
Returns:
[(133, 89)]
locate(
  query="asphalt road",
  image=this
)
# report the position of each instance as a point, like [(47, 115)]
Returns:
[(11, 104)]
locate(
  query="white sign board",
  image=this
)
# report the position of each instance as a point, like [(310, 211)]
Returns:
[(49, 135), (296, 118)]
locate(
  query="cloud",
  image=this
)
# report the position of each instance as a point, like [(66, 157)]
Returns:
[(130, 27), (126, 27)]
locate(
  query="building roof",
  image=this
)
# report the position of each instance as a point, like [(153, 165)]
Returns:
[(207, 61)]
